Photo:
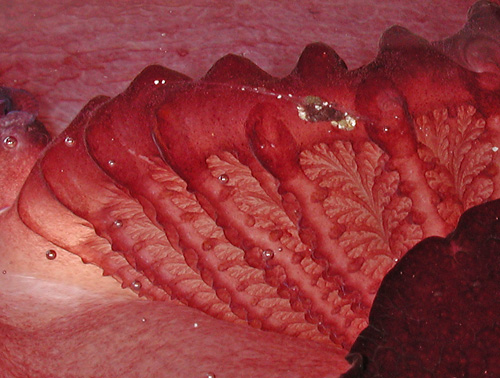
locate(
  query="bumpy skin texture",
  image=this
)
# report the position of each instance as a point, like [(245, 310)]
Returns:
[(234, 195)]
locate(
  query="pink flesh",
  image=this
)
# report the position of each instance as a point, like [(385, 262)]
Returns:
[(257, 126)]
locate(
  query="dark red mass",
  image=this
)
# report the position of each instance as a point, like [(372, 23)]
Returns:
[(437, 312)]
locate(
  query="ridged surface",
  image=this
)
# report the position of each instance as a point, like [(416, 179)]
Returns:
[(218, 195)]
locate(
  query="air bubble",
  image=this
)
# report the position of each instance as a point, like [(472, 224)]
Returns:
[(224, 178), (4, 272), (210, 375), (196, 325), (118, 223), (144, 320), (10, 142), (51, 254), (111, 163), (267, 254), (136, 285), (68, 141)]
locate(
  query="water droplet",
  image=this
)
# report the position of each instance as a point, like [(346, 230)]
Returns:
[(267, 254), (118, 223), (51, 254), (10, 142), (136, 285), (68, 141), (111, 163), (224, 178)]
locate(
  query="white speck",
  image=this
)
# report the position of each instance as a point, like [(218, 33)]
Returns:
[(136, 285), (70, 142)]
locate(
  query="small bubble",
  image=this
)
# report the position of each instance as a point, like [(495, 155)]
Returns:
[(494, 149), (196, 325), (68, 141), (267, 254), (118, 223), (4, 272), (210, 375), (50, 254), (10, 142), (136, 285), (224, 178), (111, 163), (144, 320)]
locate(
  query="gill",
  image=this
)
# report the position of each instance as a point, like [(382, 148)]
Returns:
[(310, 108)]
